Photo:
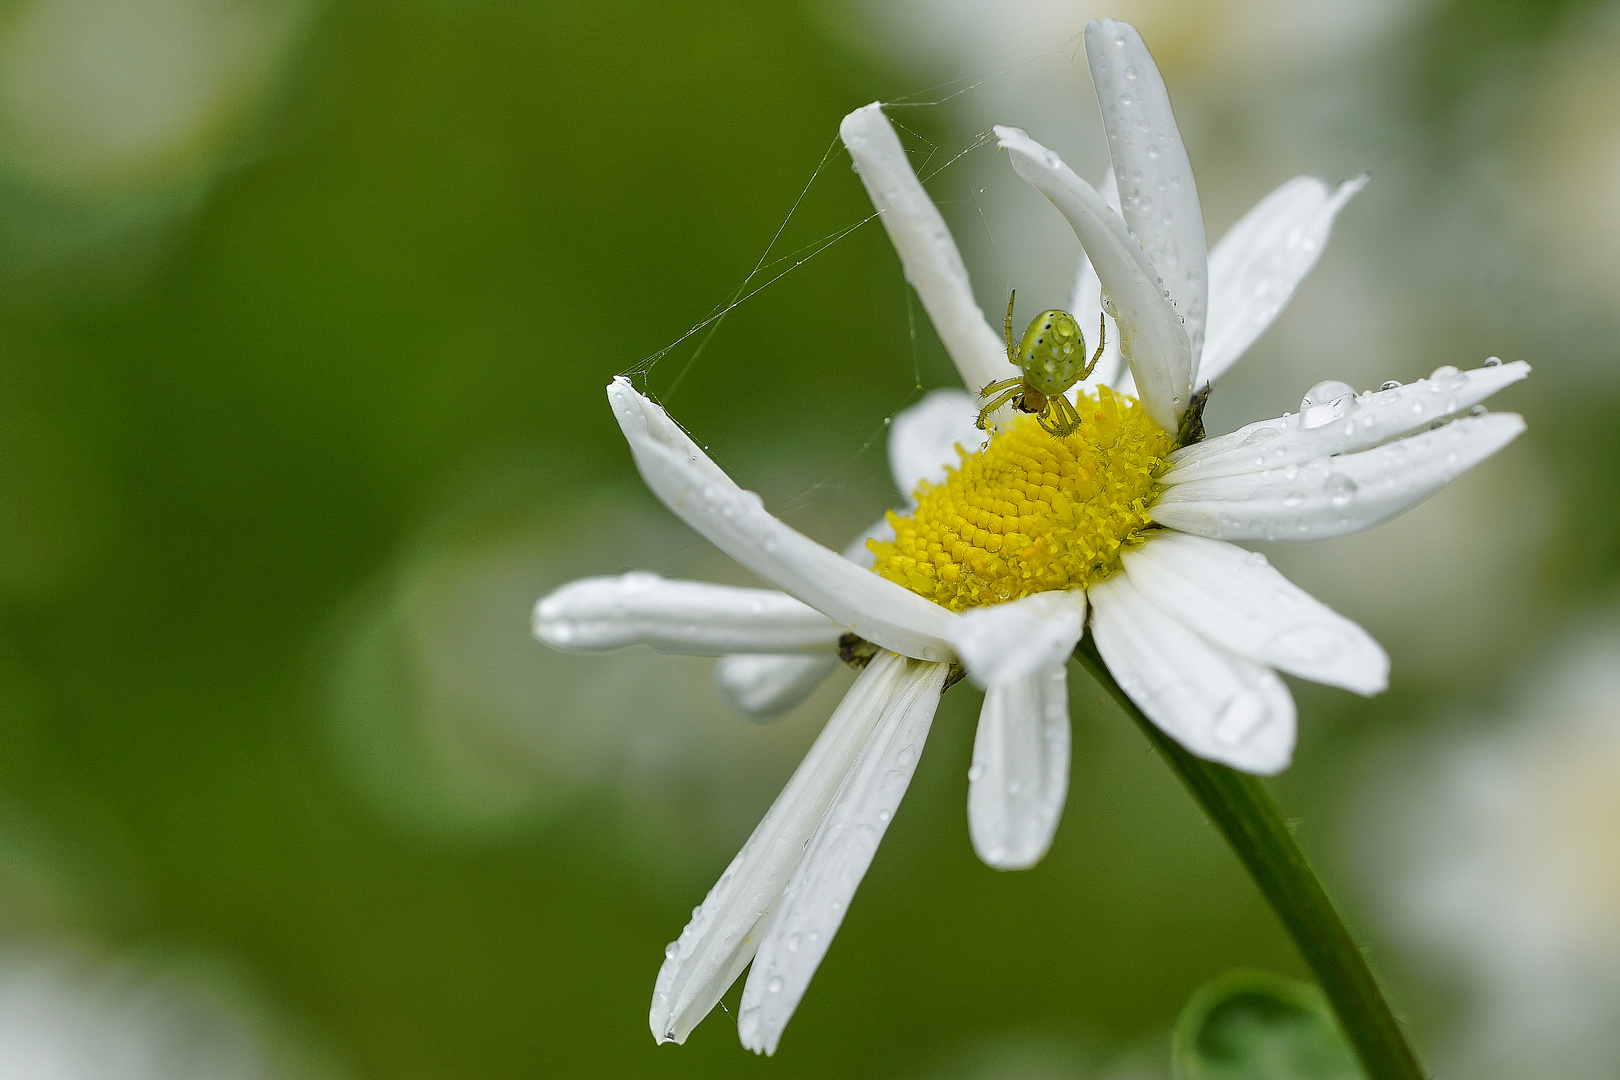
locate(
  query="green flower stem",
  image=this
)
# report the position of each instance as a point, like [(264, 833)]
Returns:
[(1245, 814)]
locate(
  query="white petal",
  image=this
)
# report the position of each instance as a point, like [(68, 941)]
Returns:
[(1158, 197), (735, 521), (923, 439), (694, 618), (927, 253), (762, 688), (1020, 774), (1014, 640), (1338, 495), (835, 860), (725, 930), (1261, 260), (856, 550), (1216, 704), (1086, 306), (1351, 423), (1151, 336), (1238, 600)]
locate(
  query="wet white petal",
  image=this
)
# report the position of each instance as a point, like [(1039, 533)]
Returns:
[(693, 618), (1337, 495), (1152, 338), (1158, 197), (762, 688), (1014, 640), (735, 521), (1216, 704), (923, 439), (1020, 774), (836, 859), (725, 930), (927, 253), (1261, 260), (1086, 306), (1238, 600), (1343, 425)]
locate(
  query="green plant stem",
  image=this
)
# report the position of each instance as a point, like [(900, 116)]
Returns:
[(1243, 811)]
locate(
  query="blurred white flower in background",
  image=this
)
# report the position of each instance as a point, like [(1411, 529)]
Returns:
[(1507, 872), (1564, 156), (116, 114), (65, 1017)]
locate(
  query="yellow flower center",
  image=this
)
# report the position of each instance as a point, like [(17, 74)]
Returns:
[(1032, 512)]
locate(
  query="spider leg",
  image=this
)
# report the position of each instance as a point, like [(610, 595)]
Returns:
[(1012, 353), (1070, 419), (1054, 419), (1102, 342), (1005, 397)]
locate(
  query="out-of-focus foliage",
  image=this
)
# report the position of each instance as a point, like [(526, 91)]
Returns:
[(306, 309), (1253, 1025)]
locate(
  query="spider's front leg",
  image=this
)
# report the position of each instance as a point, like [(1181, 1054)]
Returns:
[(1010, 388), (1102, 342)]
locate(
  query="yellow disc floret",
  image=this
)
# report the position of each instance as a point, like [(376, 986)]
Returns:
[(1032, 512)]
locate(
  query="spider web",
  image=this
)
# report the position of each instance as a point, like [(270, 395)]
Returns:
[(957, 174)]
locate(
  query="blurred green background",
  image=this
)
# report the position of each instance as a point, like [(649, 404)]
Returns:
[(305, 314)]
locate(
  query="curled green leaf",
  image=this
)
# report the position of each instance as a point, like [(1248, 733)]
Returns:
[(1253, 1025)]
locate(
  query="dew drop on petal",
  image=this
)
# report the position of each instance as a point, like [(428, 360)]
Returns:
[(775, 985), (1293, 498), (1259, 435), (975, 774), (1326, 402), (1493, 361), (1241, 717), (1446, 378), (1340, 489), (1393, 384)]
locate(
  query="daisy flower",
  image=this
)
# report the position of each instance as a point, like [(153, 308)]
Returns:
[(1012, 548)]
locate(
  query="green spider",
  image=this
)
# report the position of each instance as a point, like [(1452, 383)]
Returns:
[(1051, 359)]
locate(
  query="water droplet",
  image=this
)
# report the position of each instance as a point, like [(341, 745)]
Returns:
[(1130, 72), (1259, 435), (1311, 644), (1340, 489), (1493, 361), (1241, 717), (976, 774), (672, 950), (1477, 410), (1254, 558), (1293, 498), (775, 985), (884, 816), (1326, 402), (1015, 787), (1125, 99), (1445, 378), (793, 941), (1393, 384), (1435, 425)]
